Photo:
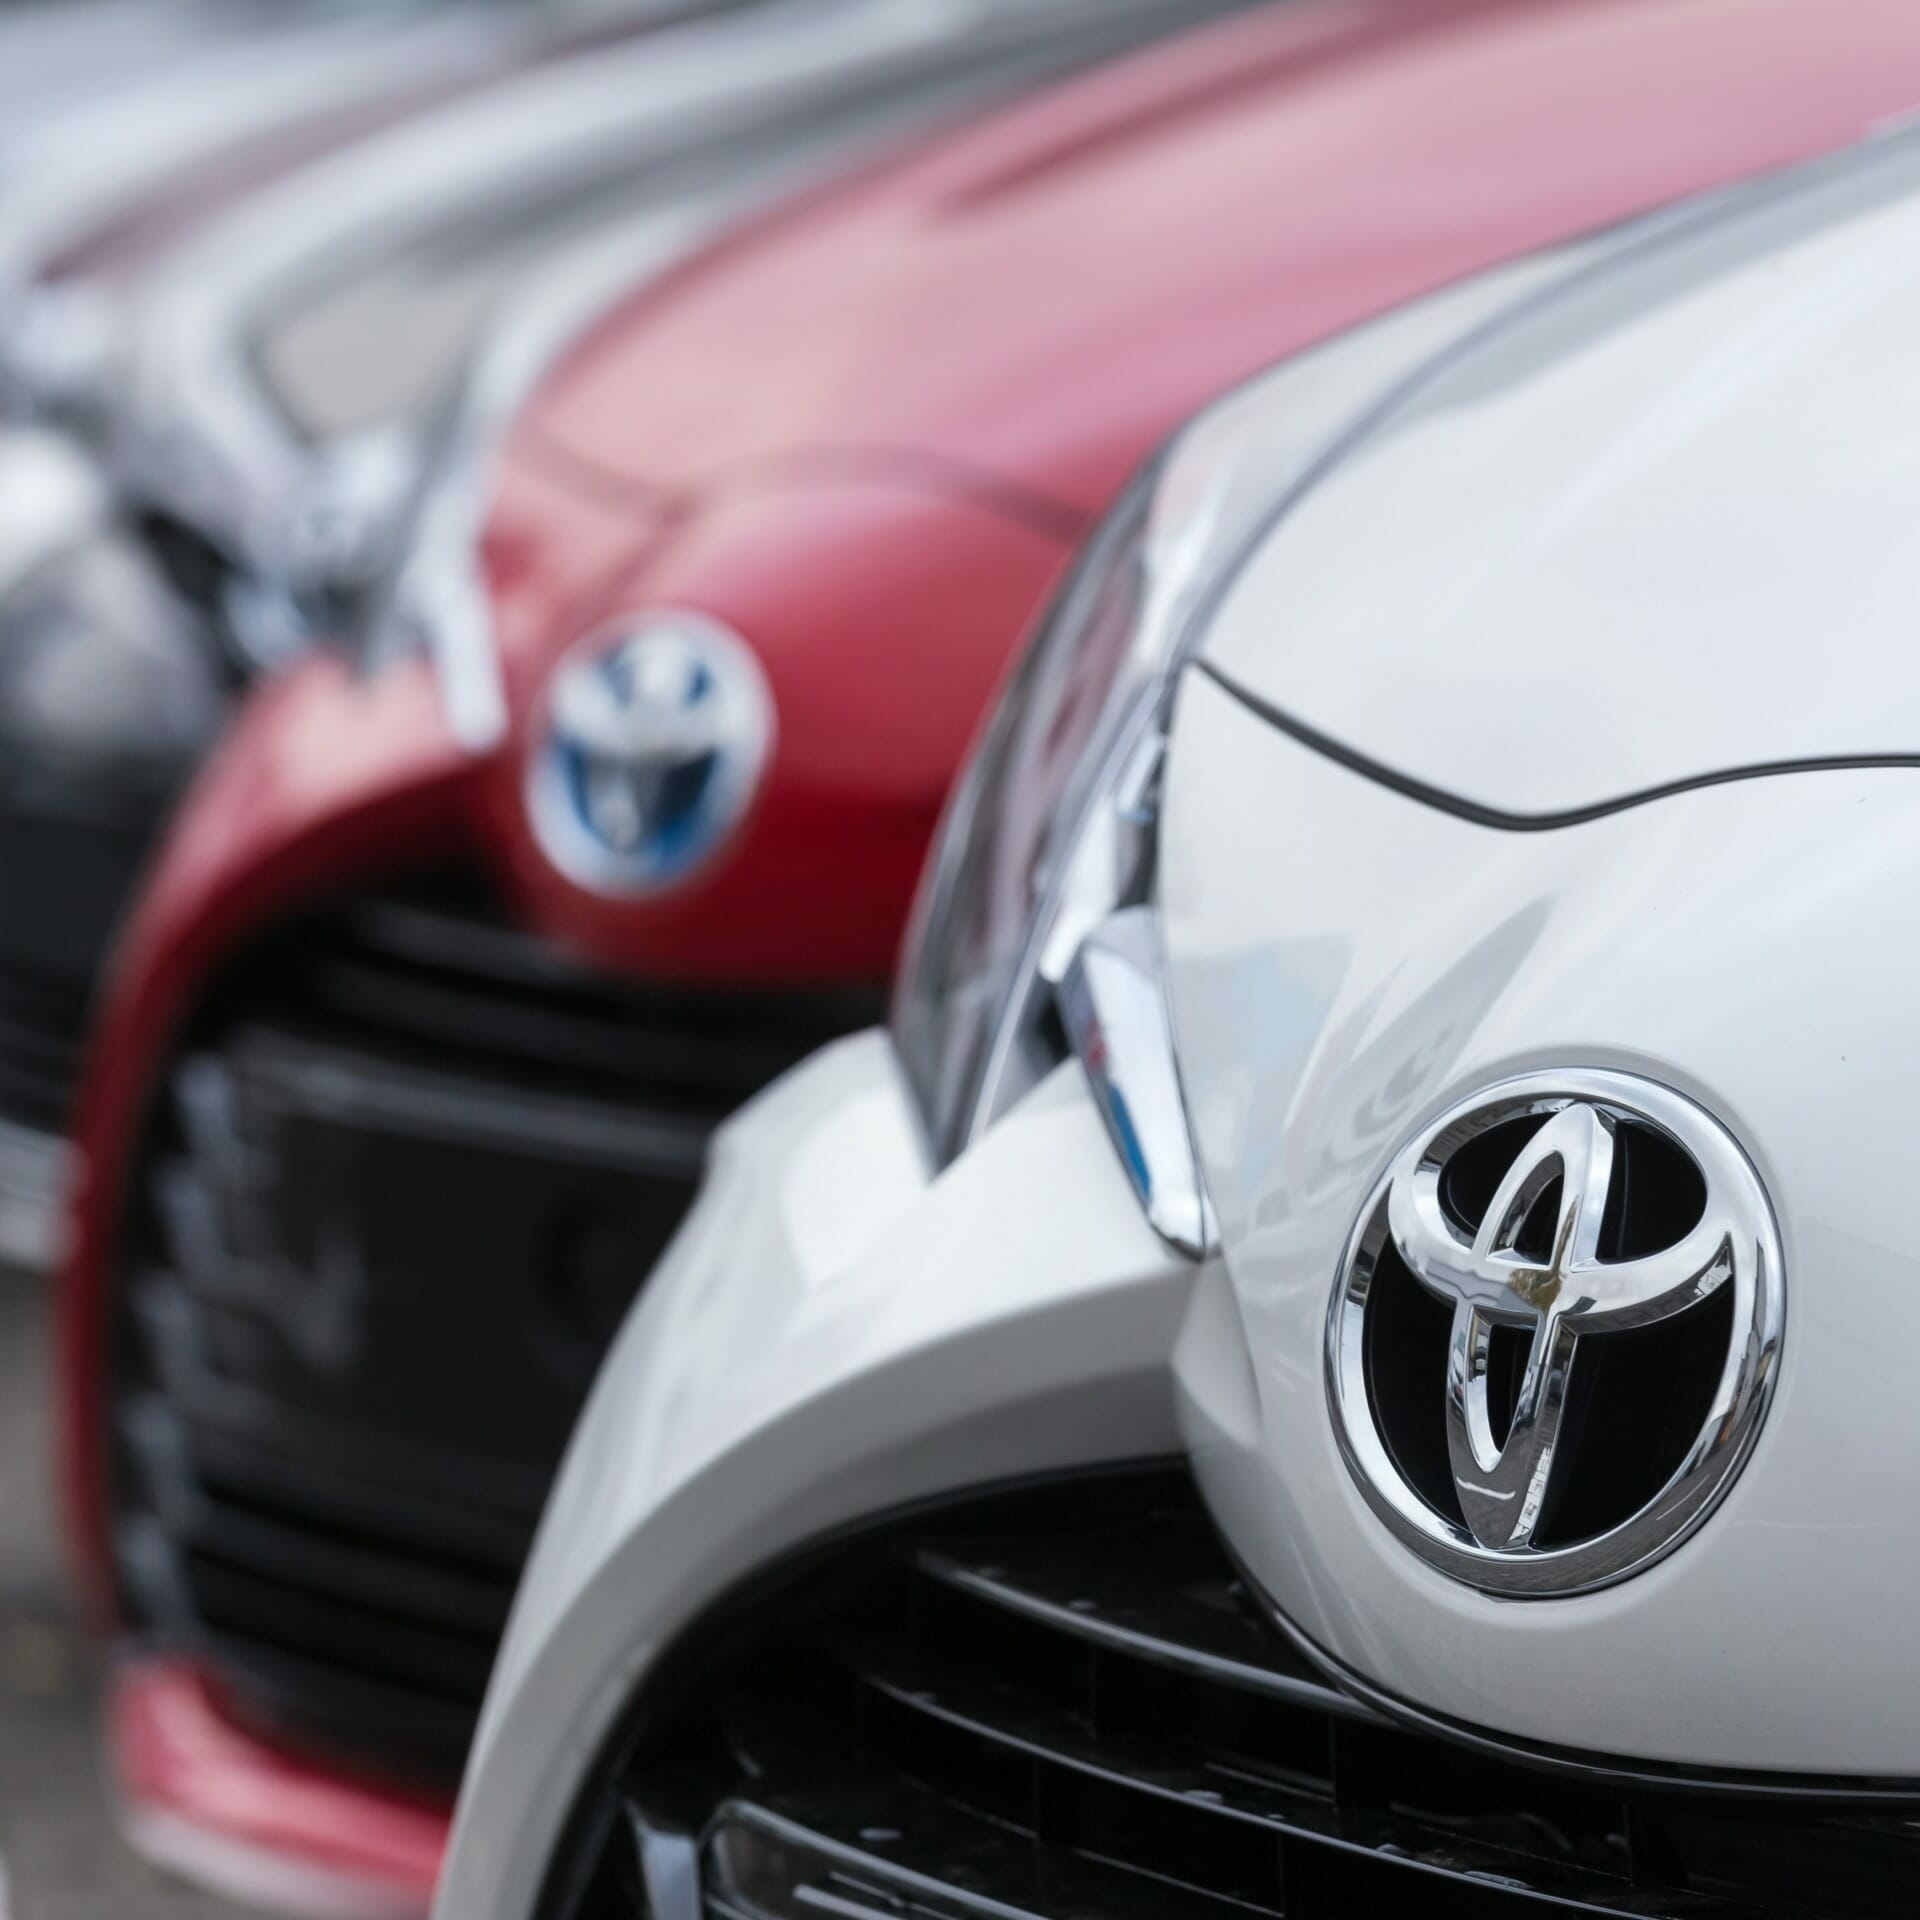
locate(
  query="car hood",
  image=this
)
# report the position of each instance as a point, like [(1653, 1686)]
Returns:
[(358, 292), (1047, 293), (1647, 527)]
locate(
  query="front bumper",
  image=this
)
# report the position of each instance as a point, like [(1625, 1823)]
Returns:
[(199, 1795), (834, 1335)]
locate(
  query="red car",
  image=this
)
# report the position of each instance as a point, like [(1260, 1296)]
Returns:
[(411, 1053)]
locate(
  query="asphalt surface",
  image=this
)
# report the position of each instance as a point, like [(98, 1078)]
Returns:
[(63, 1858)]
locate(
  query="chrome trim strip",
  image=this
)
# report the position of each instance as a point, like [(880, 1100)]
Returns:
[(1114, 1006)]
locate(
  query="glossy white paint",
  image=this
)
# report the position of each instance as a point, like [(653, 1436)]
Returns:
[(1346, 962), (51, 498), (832, 1335), (238, 72), (1653, 524), (57, 56)]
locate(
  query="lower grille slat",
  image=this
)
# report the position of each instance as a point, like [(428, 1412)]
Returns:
[(43, 1023), (1066, 1706), (356, 1640)]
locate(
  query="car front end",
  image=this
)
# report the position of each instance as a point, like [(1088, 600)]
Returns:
[(113, 692), (1323, 1366)]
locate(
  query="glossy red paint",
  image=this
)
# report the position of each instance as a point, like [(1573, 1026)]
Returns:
[(868, 430), (1043, 295), (199, 1792)]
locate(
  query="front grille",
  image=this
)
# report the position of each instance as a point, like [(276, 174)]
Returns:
[(42, 1032), (406, 1175), (1067, 1706)]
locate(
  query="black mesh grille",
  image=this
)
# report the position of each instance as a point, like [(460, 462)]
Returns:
[(1049, 1710), (42, 1030), (401, 1185)]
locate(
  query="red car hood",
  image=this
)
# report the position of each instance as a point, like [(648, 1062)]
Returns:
[(1043, 295)]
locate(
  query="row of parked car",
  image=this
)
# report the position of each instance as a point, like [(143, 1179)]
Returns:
[(1252, 1342)]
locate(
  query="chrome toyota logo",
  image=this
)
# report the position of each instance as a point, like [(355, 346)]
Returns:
[(1556, 1332), (654, 741)]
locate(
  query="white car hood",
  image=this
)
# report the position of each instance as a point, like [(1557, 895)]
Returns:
[(1651, 526)]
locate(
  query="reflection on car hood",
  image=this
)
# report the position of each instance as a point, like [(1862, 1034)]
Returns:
[(1047, 293), (366, 287), (1651, 526)]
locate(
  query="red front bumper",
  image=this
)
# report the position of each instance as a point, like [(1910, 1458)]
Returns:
[(198, 1794)]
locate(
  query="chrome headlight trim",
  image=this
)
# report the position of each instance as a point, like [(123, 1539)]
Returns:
[(1113, 1003)]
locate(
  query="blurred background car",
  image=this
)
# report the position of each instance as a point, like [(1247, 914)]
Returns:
[(1038, 1479), (248, 353), (108, 690)]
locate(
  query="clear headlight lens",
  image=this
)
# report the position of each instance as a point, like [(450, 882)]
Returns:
[(1028, 850)]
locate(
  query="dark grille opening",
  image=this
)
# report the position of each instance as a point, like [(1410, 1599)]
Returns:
[(195, 568), (1408, 1330), (439, 977), (1025, 1709), (401, 1185), (42, 1034)]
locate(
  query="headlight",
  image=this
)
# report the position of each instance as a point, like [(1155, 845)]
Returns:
[(1047, 831), (1033, 933)]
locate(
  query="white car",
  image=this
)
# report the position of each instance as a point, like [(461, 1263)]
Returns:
[(1417, 1417)]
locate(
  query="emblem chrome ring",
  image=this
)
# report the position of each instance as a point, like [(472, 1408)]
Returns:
[(1555, 1294)]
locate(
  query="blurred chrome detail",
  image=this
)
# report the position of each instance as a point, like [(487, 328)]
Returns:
[(1113, 1004), (655, 739), (1556, 1258), (61, 349), (36, 1173), (104, 683), (51, 495), (429, 595)]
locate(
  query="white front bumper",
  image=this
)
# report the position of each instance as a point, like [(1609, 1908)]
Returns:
[(834, 1334)]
